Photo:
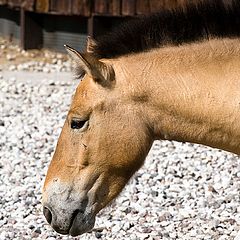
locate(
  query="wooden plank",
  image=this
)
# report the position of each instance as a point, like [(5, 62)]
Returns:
[(42, 6), (128, 7), (82, 7), (100, 7), (14, 3), (31, 32), (114, 7), (61, 6), (143, 6), (3, 2), (53, 6), (28, 5), (156, 5)]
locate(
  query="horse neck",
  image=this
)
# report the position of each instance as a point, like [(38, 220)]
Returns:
[(193, 92)]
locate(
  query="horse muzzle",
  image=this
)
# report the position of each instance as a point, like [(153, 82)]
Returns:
[(74, 222), (67, 210)]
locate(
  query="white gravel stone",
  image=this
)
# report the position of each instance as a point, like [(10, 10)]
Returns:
[(10, 57), (237, 237), (12, 68)]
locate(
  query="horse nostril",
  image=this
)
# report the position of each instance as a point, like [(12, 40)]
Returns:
[(74, 215), (48, 215)]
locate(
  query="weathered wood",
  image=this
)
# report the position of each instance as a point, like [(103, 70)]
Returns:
[(61, 6), (114, 7), (3, 2), (42, 6), (82, 7), (128, 7), (14, 3), (156, 5), (100, 6), (28, 5), (53, 6), (31, 35), (143, 7)]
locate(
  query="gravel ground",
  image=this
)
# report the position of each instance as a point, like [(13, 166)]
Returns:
[(13, 58), (183, 191)]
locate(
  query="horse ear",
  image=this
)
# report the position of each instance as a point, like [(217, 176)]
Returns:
[(91, 44), (101, 73)]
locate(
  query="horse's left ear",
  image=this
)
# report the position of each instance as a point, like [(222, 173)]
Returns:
[(91, 44), (101, 73)]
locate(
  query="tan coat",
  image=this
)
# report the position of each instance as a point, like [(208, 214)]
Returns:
[(189, 93)]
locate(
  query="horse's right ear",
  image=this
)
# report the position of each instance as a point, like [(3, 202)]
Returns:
[(101, 73)]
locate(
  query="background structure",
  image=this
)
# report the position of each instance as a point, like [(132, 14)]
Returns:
[(52, 23)]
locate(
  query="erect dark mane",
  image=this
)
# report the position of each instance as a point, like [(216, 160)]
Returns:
[(195, 22)]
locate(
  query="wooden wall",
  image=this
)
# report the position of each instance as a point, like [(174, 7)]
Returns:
[(88, 8), (100, 15)]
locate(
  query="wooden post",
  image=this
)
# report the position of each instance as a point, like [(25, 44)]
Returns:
[(128, 7), (82, 7), (114, 7), (42, 6), (143, 7), (31, 35), (100, 7), (61, 6)]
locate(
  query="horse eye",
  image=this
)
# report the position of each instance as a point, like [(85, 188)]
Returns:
[(78, 124)]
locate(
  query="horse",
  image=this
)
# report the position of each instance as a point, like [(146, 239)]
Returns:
[(173, 75)]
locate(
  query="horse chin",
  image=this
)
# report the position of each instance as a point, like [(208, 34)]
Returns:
[(82, 224)]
